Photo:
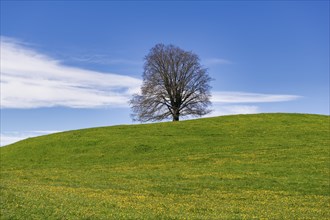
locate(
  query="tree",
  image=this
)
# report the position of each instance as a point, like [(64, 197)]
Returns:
[(174, 84)]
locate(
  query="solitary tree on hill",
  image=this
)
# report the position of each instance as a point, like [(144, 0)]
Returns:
[(174, 84)]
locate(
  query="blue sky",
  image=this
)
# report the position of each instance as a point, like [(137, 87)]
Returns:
[(75, 64)]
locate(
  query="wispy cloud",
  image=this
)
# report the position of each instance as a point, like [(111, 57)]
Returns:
[(12, 137), (30, 79), (231, 103), (216, 61), (104, 59), (233, 110), (244, 97)]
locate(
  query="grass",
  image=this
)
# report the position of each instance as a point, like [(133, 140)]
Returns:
[(265, 166)]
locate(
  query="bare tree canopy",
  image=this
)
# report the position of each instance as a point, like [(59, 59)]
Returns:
[(174, 85)]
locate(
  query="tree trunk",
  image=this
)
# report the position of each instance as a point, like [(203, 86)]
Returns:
[(176, 115)]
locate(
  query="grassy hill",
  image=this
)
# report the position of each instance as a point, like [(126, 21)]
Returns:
[(265, 166)]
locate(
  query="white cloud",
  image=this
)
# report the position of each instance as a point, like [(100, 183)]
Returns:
[(244, 97), (231, 103), (233, 110), (30, 79), (12, 137), (216, 61), (104, 59)]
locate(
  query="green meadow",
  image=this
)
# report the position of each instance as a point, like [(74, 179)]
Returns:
[(263, 166)]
